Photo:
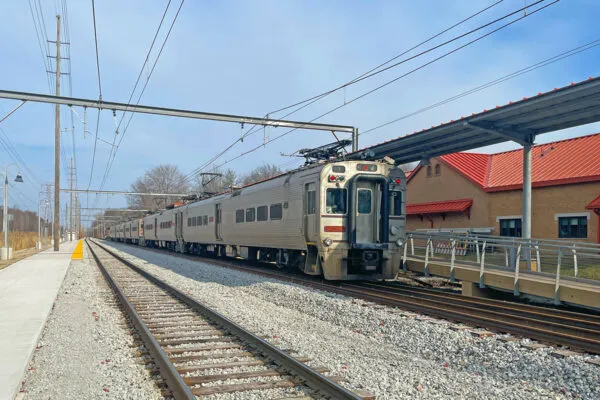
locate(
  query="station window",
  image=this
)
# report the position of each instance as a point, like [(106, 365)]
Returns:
[(336, 201), (311, 202), (239, 216), (395, 203), (438, 169), (276, 211), (572, 227), (429, 171), (364, 201), (510, 227), (250, 214), (262, 213)]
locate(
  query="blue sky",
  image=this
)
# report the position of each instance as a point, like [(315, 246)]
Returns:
[(253, 57)]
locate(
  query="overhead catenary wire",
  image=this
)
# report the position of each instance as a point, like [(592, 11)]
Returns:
[(377, 70), (143, 90), (253, 129), (134, 89), (97, 56), (481, 37), (504, 78)]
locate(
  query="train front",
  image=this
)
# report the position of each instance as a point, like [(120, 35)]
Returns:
[(362, 220)]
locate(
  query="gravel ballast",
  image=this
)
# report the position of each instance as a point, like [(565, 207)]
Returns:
[(86, 350), (380, 349)]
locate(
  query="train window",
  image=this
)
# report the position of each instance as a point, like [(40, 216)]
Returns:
[(395, 203), (250, 214), (311, 202), (205, 220), (239, 216), (262, 213), (188, 223), (336, 201), (199, 220), (276, 211), (364, 201), (340, 169), (195, 221)]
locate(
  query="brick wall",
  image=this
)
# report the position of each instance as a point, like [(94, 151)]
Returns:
[(546, 203)]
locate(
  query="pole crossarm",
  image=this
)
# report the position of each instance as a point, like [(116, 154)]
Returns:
[(172, 112), (124, 193)]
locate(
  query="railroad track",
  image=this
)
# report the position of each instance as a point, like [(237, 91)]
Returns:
[(199, 352), (578, 331)]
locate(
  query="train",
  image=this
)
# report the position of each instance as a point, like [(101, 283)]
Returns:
[(342, 220)]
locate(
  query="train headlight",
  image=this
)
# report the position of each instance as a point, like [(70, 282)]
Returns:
[(327, 242), (399, 243), (394, 230)]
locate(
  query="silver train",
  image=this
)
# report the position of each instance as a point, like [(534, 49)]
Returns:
[(342, 220)]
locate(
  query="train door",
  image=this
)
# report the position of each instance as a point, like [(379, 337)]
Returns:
[(179, 225), (218, 219), (367, 221), (310, 211)]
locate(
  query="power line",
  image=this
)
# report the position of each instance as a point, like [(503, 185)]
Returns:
[(96, 42), (94, 154), (431, 49), (314, 99), (143, 90), (134, 88), (540, 64), (371, 73), (394, 80)]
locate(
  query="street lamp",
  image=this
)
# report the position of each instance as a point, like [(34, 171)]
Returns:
[(6, 252)]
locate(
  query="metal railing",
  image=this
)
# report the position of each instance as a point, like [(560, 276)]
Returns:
[(558, 259)]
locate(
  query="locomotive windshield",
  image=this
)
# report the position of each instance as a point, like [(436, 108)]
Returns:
[(336, 201)]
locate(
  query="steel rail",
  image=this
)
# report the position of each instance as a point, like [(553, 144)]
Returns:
[(478, 314), (576, 319), (310, 377), (174, 380)]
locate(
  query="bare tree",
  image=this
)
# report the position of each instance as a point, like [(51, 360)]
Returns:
[(162, 179), (260, 173), (215, 182)]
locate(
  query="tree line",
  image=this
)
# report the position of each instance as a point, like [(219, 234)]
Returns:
[(168, 178), (23, 220)]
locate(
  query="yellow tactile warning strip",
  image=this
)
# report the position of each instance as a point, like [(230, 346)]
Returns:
[(78, 252)]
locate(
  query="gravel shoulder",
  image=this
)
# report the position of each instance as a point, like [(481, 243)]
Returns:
[(86, 350), (383, 350)]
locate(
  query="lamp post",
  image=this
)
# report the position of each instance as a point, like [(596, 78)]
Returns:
[(6, 253)]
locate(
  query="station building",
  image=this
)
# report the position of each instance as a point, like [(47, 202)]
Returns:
[(482, 193)]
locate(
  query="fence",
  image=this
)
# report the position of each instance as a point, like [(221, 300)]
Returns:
[(555, 258)]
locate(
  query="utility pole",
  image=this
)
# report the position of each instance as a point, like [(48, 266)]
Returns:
[(56, 222), (71, 203)]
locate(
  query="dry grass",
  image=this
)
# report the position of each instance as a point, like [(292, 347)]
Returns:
[(22, 240)]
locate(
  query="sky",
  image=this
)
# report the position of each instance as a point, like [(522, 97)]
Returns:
[(254, 57)]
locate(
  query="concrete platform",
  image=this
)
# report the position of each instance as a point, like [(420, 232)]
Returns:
[(28, 289), (580, 292)]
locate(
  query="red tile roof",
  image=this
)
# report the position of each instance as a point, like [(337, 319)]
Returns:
[(564, 162), (474, 166), (439, 207), (594, 205)]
